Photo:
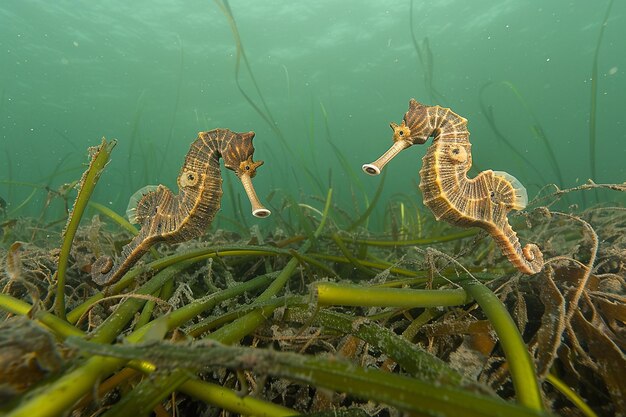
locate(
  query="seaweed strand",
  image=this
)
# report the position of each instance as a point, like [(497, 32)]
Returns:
[(99, 159), (425, 55), (593, 105), (265, 113)]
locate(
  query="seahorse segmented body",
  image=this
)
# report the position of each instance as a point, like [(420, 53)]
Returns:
[(483, 201), (166, 217)]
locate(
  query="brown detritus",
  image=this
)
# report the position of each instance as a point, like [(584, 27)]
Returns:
[(546, 342), (28, 354)]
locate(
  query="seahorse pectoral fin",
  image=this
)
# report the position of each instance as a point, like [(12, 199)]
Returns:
[(519, 197), (131, 212), (376, 167), (258, 210)]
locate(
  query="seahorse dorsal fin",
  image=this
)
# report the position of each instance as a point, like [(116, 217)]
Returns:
[(520, 199), (131, 211)]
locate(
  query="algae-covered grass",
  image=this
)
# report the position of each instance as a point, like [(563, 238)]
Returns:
[(315, 313)]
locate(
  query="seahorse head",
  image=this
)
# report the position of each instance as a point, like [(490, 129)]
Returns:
[(414, 130), (237, 153)]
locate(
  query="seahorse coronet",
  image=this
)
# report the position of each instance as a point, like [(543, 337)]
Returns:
[(400, 131)]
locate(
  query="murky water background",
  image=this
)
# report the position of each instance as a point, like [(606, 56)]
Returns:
[(153, 73)]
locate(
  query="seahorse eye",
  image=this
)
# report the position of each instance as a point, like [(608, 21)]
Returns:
[(457, 154), (401, 133), (188, 179), (247, 167)]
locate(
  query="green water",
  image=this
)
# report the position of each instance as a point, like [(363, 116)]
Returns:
[(153, 73)]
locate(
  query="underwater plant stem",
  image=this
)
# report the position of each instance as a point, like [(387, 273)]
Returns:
[(377, 265), (343, 160), (193, 256), (212, 322), (314, 262), (58, 326), (572, 306), (15, 210), (56, 399), (354, 261), (370, 206), (571, 395), (162, 385), (408, 355), (425, 56), (128, 406), (133, 137), (593, 105), (411, 330), (112, 326), (234, 331), (328, 293), (488, 114), (405, 393), (265, 113), (416, 242), (146, 311), (181, 65), (99, 159), (536, 129), (121, 221), (214, 394), (124, 313), (65, 391), (520, 363), (164, 293), (177, 317), (233, 401), (208, 392), (107, 385)]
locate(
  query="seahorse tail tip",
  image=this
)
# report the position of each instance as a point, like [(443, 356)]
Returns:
[(534, 258), (101, 270)]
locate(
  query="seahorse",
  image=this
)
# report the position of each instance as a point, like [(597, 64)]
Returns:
[(165, 217), (483, 201)]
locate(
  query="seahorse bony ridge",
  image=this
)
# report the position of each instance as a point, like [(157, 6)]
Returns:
[(483, 201), (168, 217)]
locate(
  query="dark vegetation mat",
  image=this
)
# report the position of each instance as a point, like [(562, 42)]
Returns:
[(250, 323)]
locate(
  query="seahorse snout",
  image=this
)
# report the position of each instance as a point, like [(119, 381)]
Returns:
[(377, 166)]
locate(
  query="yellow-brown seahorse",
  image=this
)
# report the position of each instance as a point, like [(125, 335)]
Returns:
[(165, 217), (483, 201)]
